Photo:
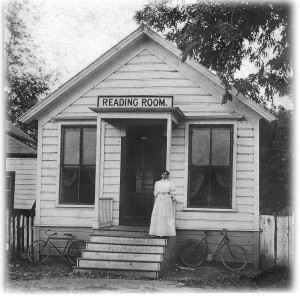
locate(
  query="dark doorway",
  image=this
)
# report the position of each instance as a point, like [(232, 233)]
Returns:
[(143, 157)]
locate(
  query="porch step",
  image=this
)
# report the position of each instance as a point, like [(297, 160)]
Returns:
[(123, 256), (127, 251), (121, 240), (144, 249)]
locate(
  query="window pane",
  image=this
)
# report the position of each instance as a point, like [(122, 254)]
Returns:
[(220, 184), (200, 147), (220, 147), (87, 185), (89, 146), (69, 185), (199, 188), (71, 146)]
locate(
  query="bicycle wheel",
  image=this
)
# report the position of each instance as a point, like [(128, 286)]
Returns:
[(192, 253), (38, 251), (234, 257), (74, 251)]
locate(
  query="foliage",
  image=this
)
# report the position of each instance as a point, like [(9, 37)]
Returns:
[(275, 174), (221, 35), (26, 80)]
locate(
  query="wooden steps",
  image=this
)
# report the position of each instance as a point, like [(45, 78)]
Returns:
[(127, 251)]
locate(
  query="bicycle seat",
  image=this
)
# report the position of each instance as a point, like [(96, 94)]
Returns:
[(224, 231), (68, 234)]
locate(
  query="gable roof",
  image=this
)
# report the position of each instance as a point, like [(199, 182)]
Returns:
[(32, 115), (17, 142)]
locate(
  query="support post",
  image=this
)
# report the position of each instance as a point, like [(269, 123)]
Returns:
[(98, 162), (169, 136)]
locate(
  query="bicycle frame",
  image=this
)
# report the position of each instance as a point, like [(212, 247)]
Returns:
[(222, 243), (69, 240)]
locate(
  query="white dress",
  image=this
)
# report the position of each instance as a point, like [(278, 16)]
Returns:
[(162, 218)]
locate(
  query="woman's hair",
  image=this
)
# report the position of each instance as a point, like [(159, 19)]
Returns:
[(165, 171)]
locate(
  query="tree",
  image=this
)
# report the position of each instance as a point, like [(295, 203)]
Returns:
[(26, 80), (275, 173), (221, 35)]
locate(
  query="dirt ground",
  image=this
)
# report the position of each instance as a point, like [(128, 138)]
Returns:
[(23, 276)]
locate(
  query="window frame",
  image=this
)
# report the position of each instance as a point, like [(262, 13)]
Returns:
[(12, 175), (232, 165), (61, 163)]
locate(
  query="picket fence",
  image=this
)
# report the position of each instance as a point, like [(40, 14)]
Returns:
[(277, 241), (19, 230)]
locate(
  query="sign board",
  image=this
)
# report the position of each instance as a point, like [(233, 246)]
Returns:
[(135, 102)]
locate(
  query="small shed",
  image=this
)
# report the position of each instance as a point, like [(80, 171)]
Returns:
[(104, 136), (21, 168)]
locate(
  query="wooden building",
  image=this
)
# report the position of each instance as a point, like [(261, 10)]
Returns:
[(104, 136), (21, 164)]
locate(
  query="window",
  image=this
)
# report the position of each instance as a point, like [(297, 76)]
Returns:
[(10, 188), (78, 163), (210, 166)]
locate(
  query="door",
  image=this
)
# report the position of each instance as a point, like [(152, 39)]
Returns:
[(142, 160)]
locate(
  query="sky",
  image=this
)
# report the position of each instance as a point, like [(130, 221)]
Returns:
[(71, 34)]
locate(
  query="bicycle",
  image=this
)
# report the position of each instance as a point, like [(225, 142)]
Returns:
[(39, 250), (195, 252)]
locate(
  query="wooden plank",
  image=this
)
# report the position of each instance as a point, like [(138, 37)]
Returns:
[(49, 172), (245, 175), (267, 241), (191, 99), (90, 101), (145, 75), (116, 83), (163, 67), (50, 156), (51, 140), (204, 107), (112, 141), (214, 216), (50, 133), (141, 59), (203, 224), (49, 164), (50, 148), (20, 161), (52, 180), (246, 132), (245, 141), (111, 181), (245, 192), (249, 157), (112, 173), (50, 126), (111, 164), (153, 91), (244, 183), (177, 142), (244, 166), (245, 149), (112, 156), (282, 241), (72, 213), (66, 221)]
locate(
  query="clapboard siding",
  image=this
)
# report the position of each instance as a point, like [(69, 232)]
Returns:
[(112, 167), (25, 181), (50, 213), (148, 75)]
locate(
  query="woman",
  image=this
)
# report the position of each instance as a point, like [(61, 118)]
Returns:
[(162, 218)]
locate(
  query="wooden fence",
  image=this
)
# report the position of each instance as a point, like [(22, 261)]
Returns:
[(19, 229), (277, 241)]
